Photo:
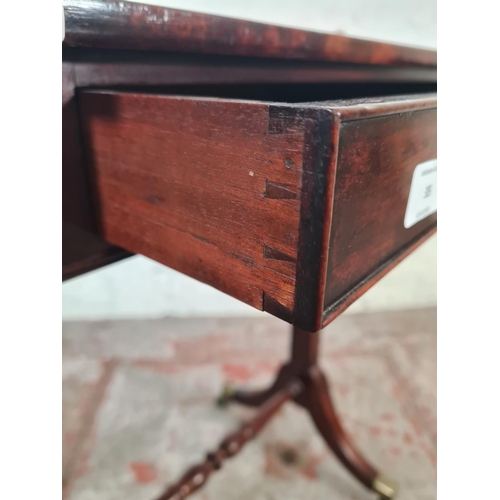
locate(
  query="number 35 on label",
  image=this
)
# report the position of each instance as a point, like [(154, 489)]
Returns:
[(422, 201)]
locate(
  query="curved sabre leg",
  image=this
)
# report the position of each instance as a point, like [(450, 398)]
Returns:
[(316, 399), (256, 398)]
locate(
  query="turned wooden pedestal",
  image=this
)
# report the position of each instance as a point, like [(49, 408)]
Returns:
[(300, 380), (276, 165)]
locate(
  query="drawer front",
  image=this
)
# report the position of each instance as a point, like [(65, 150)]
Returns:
[(293, 209), (377, 157)]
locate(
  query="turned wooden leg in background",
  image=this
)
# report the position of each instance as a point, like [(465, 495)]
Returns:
[(300, 380), (198, 475), (316, 399)]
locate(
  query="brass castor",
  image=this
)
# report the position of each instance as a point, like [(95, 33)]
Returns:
[(225, 397), (386, 488)]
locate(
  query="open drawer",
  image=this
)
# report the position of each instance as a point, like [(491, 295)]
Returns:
[(295, 209)]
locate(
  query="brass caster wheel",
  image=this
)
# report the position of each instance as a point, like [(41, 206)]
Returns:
[(225, 397), (385, 488)]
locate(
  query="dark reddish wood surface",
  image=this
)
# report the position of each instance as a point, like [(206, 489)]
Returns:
[(76, 206), (126, 44), (316, 202), (299, 379), (208, 187), (117, 68), (315, 398), (338, 307), (312, 286), (304, 204), (294, 209), (376, 159), (126, 25), (83, 252), (82, 249)]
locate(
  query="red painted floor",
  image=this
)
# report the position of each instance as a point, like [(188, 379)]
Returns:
[(138, 406)]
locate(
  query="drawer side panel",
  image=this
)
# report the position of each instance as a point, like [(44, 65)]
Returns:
[(208, 187)]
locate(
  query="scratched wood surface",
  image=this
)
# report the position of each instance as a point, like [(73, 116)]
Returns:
[(125, 25), (118, 43), (358, 199), (375, 164), (293, 209)]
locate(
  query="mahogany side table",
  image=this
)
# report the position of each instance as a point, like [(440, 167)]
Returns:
[(289, 169)]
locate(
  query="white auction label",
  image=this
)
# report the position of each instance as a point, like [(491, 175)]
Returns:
[(422, 201)]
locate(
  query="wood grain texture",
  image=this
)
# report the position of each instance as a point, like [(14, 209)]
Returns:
[(316, 200), (316, 399), (380, 144), (293, 209), (126, 25), (334, 310), (206, 187)]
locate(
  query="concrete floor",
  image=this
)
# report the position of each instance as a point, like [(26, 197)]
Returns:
[(138, 406)]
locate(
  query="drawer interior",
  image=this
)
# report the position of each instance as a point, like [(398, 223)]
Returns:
[(286, 93)]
